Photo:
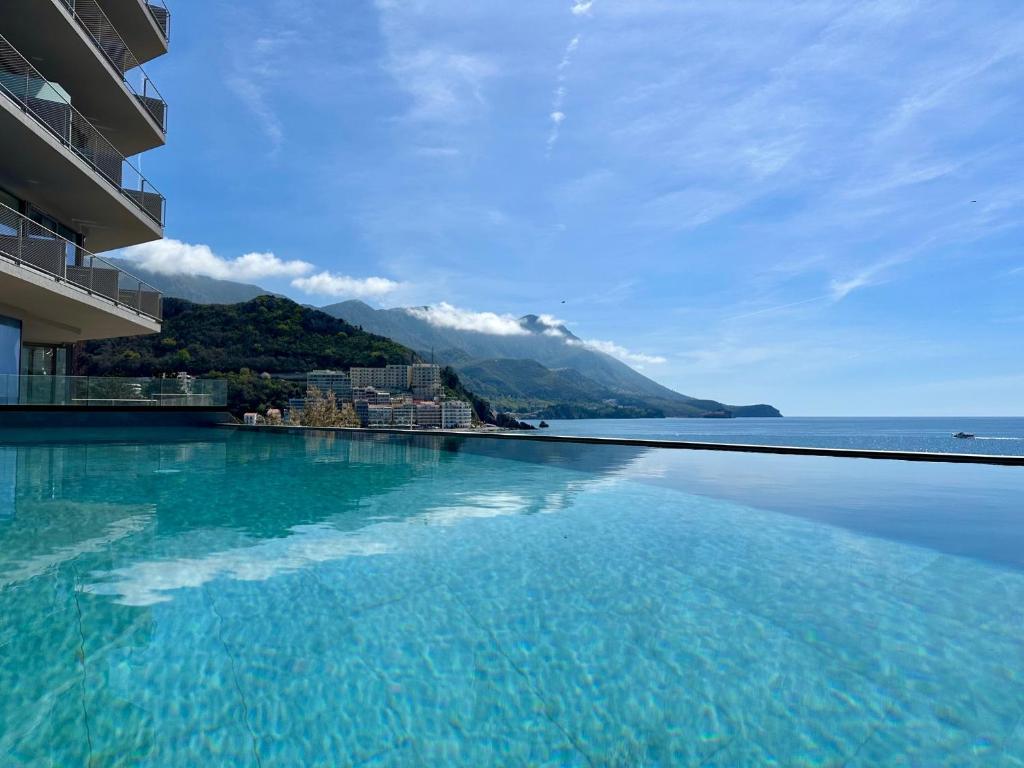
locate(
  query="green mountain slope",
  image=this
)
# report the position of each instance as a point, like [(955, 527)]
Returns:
[(240, 342), (578, 381)]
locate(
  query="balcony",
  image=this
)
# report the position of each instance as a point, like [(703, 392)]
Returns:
[(62, 162), (73, 42), (101, 392), (62, 293), (143, 25)]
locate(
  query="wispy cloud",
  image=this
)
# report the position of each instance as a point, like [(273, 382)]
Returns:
[(582, 7), (870, 275), (618, 351), (173, 257), (445, 315), (342, 286), (444, 85), (258, 66), (557, 115)]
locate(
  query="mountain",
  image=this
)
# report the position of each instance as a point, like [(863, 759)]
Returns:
[(247, 344), (577, 381), (194, 288)]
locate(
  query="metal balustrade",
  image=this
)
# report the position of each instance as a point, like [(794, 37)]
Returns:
[(96, 391), (94, 21), (162, 16), (30, 244), (50, 106)]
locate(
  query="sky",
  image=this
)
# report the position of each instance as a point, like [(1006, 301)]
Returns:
[(812, 204)]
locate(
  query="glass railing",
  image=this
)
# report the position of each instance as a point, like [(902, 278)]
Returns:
[(29, 244), (106, 392), (50, 106), (94, 21)]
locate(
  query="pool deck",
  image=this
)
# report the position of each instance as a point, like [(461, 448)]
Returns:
[(678, 445)]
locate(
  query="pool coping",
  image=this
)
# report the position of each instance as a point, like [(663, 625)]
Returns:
[(679, 445)]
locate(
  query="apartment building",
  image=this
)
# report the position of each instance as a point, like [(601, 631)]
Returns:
[(391, 377), (338, 383), (371, 396), (456, 414), (428, 415), (425, 381), (75, 106)]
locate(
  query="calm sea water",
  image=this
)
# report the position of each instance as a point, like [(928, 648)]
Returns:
[(1001, 436), (237, 599)]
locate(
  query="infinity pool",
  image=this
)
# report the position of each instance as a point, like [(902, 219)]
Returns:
[(235, 599)]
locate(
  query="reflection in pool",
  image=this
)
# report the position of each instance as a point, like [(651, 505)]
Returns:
[(212, 598)]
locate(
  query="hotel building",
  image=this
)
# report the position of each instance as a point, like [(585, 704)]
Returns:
[(75, 106)]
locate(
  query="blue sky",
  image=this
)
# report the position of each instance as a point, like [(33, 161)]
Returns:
[(751, 201)]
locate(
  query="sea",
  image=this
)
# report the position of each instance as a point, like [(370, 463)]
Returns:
[(993, 436)]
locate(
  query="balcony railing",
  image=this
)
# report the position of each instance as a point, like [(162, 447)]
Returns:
[(32, 245), (94, 21), (112, 393), (50, 106), (162, 16)]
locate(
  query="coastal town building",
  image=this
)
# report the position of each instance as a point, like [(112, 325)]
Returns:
[(75, 104), (428, 415), (338, 383), (456, 414), (396, 395), (425, 381)]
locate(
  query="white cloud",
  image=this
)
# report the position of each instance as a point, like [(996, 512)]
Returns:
[(444, 315), (551, 321), (618, 351), (582, 7), (173, 257), (254, 97), (557, 115), (343, 286), (841, 288), (445, 86)]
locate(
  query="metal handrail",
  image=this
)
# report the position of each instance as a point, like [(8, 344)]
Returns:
[(28, 243), (47, 103), (161, 15), (108, 40)]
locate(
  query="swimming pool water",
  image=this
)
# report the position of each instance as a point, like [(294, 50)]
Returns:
[(213, 598)]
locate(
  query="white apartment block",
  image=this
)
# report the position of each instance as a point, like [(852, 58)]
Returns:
[(422, 379), (392, 377), (456, 414), (371, 396), (379, 416), (425, 381), (428, 415), (403, 415), (338, 383)]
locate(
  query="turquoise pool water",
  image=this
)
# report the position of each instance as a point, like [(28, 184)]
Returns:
[(237, 599)]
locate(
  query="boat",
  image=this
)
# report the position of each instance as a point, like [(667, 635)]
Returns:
[(544, 425), (963, 435)]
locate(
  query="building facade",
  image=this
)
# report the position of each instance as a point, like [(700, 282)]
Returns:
[(456, 414), (75, 104), (425, 381), (338, 383), (428, 415)]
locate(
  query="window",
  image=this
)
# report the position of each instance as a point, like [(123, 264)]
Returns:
[(8, 219), (10, 354)]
